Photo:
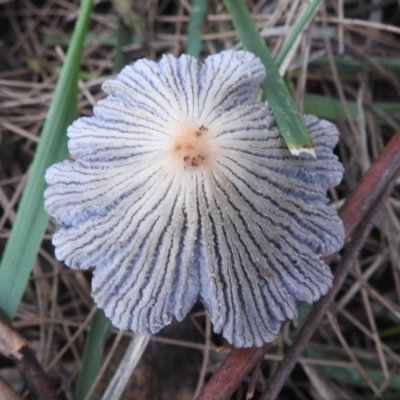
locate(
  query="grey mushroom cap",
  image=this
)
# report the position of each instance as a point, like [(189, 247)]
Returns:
[(182, 187)]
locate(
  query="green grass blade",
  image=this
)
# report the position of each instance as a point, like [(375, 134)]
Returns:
[(296, 31), (327, 107), (92, 353), (352, 376), (350, 62), (289, 121), (124, 37), (193, 44), (31, 221), (395, 330)]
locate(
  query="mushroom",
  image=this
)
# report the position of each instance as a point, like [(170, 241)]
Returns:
[(182, 188)]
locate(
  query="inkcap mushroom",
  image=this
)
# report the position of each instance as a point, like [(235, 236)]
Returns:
[(181, 187)]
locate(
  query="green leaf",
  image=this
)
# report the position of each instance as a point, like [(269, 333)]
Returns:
[(193, 44), (128, 14), (309, 12), (124, 37), (289, 121), (304, 310), (92, 353), (351, 375), (31, 220), (327, 107), (394, 331), (352, 63)]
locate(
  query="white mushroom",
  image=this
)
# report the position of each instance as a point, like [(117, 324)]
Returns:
[(183, 187)]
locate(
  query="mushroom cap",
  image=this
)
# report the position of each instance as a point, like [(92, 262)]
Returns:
[(182, 187)]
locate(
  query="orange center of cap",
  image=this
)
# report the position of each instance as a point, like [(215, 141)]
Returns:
[(191, 145)]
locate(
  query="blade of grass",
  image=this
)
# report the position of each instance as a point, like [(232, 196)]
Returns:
[(193, 44), (308, 13), (124, 37), (92, 353), (31, 221), (127, 12), (326, 107), (289, 121), (351, 375), (390, 332), (350, 62)]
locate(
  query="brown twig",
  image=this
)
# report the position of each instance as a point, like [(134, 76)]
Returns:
[(232, 371), (372, 184), (361, 201), (34, 376), (18, 349)]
